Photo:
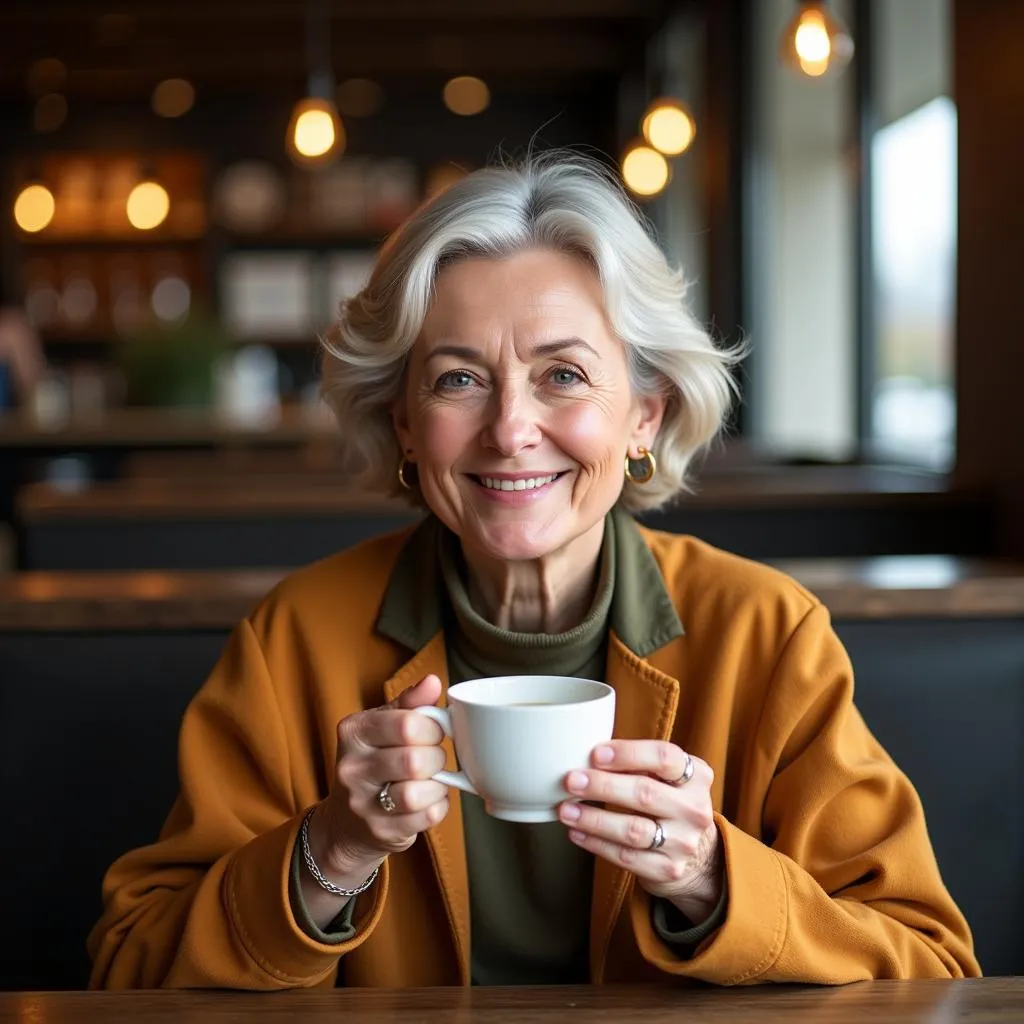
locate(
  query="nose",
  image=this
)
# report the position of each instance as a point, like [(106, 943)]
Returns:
[(513, 425)]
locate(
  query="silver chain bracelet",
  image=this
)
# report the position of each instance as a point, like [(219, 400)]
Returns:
[(318, 875)]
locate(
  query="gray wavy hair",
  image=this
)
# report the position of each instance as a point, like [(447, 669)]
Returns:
[(556, 201)]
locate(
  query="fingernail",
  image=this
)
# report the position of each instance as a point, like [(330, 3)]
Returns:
[(576, 836), (604, 755), (570, 812), (577, 782)]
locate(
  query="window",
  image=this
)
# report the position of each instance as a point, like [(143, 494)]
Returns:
[(912, 405), (826, 382), (800, 259)]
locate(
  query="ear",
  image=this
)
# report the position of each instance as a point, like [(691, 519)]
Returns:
[(648, 414), (400, 418)]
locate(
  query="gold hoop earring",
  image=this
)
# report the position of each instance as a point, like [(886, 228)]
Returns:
[(401, 473), (650, 467)]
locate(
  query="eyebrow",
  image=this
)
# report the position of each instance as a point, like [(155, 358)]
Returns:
[(549, 348)]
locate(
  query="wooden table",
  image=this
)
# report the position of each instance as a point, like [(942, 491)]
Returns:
[(989, 999)]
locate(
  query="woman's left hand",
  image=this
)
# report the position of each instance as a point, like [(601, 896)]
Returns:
[(646, 781)]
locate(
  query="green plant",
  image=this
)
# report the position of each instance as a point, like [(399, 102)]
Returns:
[(173, 365)]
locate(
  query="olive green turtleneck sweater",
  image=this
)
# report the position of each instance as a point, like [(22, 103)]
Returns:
[(529, 886)]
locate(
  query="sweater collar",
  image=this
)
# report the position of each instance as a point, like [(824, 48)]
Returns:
[(641, 614)]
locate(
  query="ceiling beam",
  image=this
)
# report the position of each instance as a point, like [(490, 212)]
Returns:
[(89, 12), (254, 57), (345, 11)]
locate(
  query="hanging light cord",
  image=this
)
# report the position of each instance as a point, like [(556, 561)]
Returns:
[(318, 48)]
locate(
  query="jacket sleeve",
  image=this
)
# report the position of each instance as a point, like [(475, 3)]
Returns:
[(208, 904), (830, 871)]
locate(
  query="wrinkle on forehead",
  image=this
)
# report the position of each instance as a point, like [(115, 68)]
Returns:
[(516, 303)]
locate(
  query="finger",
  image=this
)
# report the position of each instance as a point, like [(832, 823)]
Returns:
[(415, 797), (633, 792), (631, 830), (396, 831), (399, 764), (649, 865), (426, 691), (400, 825), (392, 727), (665, 760)]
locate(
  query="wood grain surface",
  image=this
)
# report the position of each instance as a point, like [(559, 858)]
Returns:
[(881, 1002)]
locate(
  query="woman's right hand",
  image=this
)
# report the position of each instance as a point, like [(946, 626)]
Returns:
[(350, 833)]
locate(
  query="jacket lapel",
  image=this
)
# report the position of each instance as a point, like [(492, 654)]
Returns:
[(646, 700), (445, 841)]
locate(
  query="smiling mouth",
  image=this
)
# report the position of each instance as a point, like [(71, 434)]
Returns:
[(530, 483)]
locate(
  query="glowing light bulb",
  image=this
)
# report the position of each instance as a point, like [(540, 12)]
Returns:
[(812, 44), (466, 95), (644, 170), (816, 41), (669, 127), (34, 208), (148, 205), (315, 135), (173, 97)]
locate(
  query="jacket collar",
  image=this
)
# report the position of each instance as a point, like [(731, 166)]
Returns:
[(644, 639), (642, 614)]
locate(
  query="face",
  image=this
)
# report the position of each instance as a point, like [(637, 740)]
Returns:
[(518, 410)]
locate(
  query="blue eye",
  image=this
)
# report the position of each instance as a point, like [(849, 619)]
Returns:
[(566, 376), (455, 380)]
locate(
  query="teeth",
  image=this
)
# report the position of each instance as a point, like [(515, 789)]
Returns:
[(526, 484)]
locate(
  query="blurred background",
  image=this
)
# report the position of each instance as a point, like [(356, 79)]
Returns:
[(187, 191), (190, 189)]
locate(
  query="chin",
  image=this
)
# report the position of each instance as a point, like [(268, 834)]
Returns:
[(515, 542)]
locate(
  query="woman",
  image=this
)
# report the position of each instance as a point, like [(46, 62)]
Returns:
[(522, 364)]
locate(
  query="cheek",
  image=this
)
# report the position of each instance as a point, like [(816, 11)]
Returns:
[(443, 435), (591, 437)]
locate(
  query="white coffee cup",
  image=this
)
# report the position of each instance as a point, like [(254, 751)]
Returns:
[(517, 737)]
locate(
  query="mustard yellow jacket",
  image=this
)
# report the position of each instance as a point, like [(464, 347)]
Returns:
[(831, 877)]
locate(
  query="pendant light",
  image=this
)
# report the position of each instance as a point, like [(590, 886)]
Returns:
[(668, 126), (316, 136), (34, 206), (148, 203), (816, 42), (644, 170)]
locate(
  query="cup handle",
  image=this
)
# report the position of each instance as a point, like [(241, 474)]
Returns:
[(443, 717)]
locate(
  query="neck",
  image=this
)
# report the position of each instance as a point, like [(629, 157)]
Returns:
[(544, 595)]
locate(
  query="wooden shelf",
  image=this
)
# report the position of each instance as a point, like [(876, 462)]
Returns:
[(144, 240), (289, 239), (109, 338)]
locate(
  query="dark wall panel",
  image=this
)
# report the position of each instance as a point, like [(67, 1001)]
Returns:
[(988, 39), (946, 699), (243, 541), (88, 754)]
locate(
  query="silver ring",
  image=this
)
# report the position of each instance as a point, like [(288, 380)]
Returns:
[(659, 837), (687, 773), (385, 799)]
